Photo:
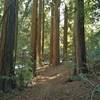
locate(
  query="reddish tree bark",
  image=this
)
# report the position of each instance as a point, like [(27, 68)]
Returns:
[(34, 35), (55, 33)]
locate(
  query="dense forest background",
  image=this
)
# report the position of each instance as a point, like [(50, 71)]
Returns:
[(39, 33)]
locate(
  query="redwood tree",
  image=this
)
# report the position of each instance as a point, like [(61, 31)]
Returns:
[(7, 48), (55, 32), (65, 42), (34, 34), (39, 32), (42, 36), (80, 36)]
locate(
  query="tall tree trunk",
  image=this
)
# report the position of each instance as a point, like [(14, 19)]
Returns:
[(51, 36), (55, 33), (9, 27), (39, 32), (42, 37), (65, 42), (80, 36), (75, 71), (34, 35), (16, 35)]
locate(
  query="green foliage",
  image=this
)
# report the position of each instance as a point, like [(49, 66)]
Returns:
[(70, 64), (1, 12), (23, 65), (93, 50), (24, 76), (7, 78), (75, 78), (7, 96)]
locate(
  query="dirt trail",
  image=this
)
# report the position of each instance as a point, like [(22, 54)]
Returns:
[(52, 75), (50, 84)]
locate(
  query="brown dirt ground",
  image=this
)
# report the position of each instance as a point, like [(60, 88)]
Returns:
[(51, 84)]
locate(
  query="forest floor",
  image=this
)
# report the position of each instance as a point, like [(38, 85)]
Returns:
[(52, 83)]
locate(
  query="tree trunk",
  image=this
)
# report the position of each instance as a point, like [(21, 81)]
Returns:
[(39, 32), (65, 42), (9, 29), (51, 36), (42, 37), (55, 33), (34, 35), (80, 36)]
